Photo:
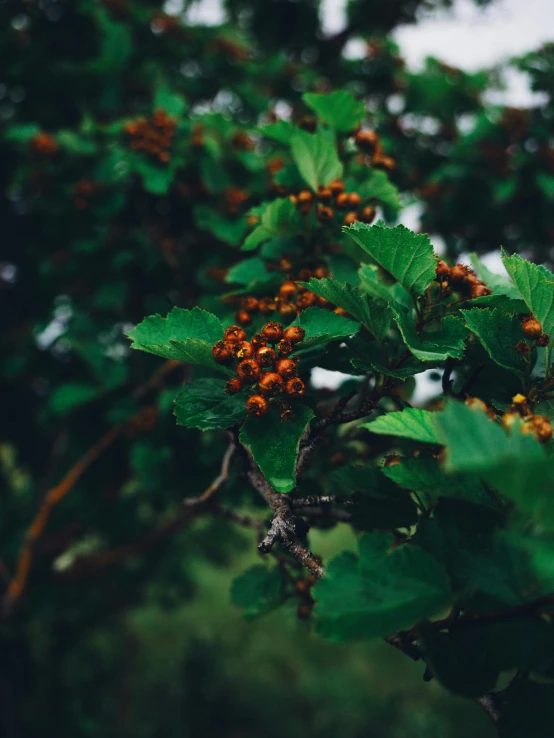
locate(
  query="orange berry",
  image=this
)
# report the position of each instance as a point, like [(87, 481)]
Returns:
[(336, 187), (531, 329), (286, 368), (257, 406), (324, 214), (287, 290), (243, 350), (294, 334), (266, 356), (350, 218), (249, 371), (273, 332), (367, 214), (295, 387), (271, 384), (324, 194), (243, 317), (354, 200), (234, 334), (233, 386), (343, 201), (366, 141), (222, 353), (442, 270), (249, 303)]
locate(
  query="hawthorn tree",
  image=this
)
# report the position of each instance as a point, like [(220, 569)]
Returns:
[(149, 171)]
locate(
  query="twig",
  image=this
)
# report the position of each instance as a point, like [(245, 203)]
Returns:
[(320, 500), (488, 704), (324, 513), (55, 494), (88, 565), (285, 526), (223, 476)]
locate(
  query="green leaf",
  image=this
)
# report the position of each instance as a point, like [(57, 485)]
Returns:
[(377, 504), (281, 131), (435, 342), (407, 256), (185, 335), (425, 474), (203, 404), (499, 284), (323, 326), (418, 425), (373, 313), (279, 218), (513, 463), (172, 102), (499, 332), (378, 592), (339, 110), (274, 444), (248, 271), (258, 590), (22, 132), (229, 230), (379, 187), (316, 158), (156, 178), (70, 395), (536, 287), (369, 357)]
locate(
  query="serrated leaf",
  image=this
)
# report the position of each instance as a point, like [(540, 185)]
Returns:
[(316, 158), (407, 256), (339, 110), (536, 286), (499, 332), (378, 592), (435, 342), (418, 425), (373, 313), (259, 589), (203, 404), (185, 335), (499, 284), (369, 357), (274, 444), (323, 326), (377, 503), (511, 462)]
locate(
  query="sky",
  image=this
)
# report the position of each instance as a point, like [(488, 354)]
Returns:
[(467, 37)]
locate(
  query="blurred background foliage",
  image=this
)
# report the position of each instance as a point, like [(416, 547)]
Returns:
[(119, 630)]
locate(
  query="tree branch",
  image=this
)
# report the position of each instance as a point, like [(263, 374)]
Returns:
[(56, 494), (285, 526)]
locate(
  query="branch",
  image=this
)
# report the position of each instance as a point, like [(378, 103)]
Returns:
[(285, 526), (56, 494), (320, 500), (89, 565)]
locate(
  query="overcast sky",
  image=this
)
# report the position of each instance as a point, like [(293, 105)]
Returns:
[(467, 37)]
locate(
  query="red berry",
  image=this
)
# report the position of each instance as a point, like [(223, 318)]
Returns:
[(366, 141), (285, 347), (354, 200), (271, 384), (273, 332), (343, 201), (249, 371), (294, 334), (243, 350), (295, 387), (258, 340), (531, 329), (257, 406), (234, 334), (480, 290), (458, 274), (336, 187), (367, 214), (222, 353), (286, 368), (350, 218), (442, 270), (265, 356), (287, 290), (233, 386), (243, 317)]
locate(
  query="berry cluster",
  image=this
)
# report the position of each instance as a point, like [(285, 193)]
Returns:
[(368, 142), (532, 331), (291, 299), (264, 361), (43, 144), (460, 278), (331, 199), (153, 135), (529, 424)]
